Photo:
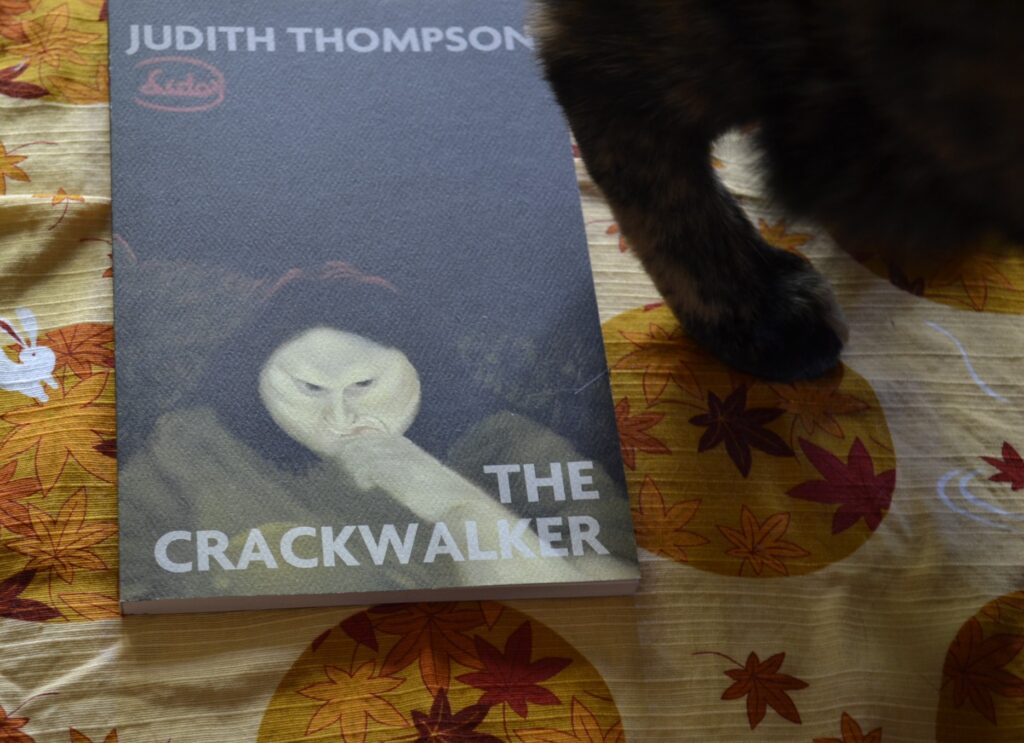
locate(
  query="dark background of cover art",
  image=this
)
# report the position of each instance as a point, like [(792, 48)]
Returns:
[(450, 174)]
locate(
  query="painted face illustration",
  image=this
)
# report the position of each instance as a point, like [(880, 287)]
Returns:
[(325, 385)]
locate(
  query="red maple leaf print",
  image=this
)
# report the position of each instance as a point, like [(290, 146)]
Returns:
[(853, 733), (1005, 608), (441, 726), (431, 633), (321, 639), (740, 429), (763, 686), (778, 235), (977, 668), (492, 611), (9, 86), (633, 434), (106, 447), (15, 607), (511, 676), (860, 493), (899, 278), (1011, 467), (360, 628)]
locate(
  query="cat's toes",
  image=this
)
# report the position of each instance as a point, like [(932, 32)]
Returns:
[(790, 328)]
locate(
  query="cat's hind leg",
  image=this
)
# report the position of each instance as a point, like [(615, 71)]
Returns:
[(644, 119)]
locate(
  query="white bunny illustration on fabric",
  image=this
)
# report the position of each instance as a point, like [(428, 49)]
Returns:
[(35, 363)]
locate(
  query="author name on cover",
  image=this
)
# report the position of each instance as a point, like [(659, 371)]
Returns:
[(358, 39)]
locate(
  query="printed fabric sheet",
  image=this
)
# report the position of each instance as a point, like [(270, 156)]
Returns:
[(831, 562)]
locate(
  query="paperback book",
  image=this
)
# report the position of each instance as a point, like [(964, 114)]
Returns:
[(358, 350)]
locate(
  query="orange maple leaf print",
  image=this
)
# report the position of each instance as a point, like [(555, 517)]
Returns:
[(10, 23), (92, 606), (101, 6), (659, 355), (75, 92), (623, 243), (61, 197), (760, 544), (633, 433), (49, 41), (63, 544), (70, 426), (778, 235), (9, 168), (77, 737), (816, 404), (10, 729), (976, 666), (13, 514), (975, 275), (763, 686), (351, 700), (662, 529), (586, 728), (81, 347), (1013, 603), (853, 733), (433, 634)]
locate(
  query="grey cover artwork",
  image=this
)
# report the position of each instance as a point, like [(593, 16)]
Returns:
[(358, 352)]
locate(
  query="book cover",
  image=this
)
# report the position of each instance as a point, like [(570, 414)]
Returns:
[(358, 350)]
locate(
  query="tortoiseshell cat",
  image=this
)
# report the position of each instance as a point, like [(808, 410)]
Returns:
[(890, 122)]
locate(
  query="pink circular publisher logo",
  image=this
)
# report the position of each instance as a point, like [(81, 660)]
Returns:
[(179, 84)]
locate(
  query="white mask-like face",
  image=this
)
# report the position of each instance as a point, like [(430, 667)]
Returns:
[(325, 385)]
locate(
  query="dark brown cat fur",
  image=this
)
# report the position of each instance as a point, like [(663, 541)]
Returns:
[(894, 124)]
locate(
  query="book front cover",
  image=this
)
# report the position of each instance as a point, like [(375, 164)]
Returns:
[(357, 340)]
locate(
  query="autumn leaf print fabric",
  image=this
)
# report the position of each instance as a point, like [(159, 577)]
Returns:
[(478, 672), (811, 467), (827, 562)]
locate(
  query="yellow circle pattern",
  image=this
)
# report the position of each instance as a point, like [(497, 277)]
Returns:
[(737, 476), (982, 698), (988, 279), (478, 672)]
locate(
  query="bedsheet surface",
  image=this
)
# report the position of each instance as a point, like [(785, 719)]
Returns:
[(837, 561)]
